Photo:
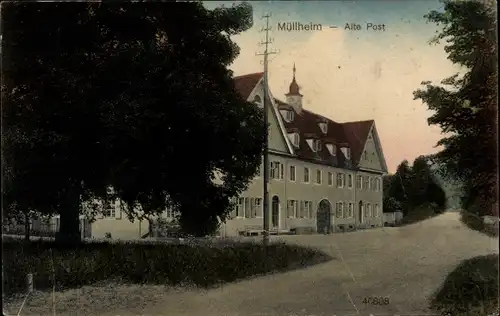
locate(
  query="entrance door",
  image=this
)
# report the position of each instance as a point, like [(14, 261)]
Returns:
[(323, 217), (275, 212), (360, 214)]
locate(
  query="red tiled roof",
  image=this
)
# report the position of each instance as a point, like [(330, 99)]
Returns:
[(350, 134), (246, 83)]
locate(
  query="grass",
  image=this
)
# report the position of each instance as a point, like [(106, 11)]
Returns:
[(139, 263), (471, 289)]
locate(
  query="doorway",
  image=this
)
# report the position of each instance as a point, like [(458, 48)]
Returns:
[(275, 212), (360, 212), (323, 217)]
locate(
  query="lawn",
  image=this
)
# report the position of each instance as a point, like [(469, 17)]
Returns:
[(97, 267)]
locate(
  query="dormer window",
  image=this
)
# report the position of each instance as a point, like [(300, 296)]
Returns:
[(347, 152), (257, 99), (294, 138), (288, 115), (323, 126), (316, 145), (332, 149)]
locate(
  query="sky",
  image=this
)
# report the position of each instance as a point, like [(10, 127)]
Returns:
[(350, 75)]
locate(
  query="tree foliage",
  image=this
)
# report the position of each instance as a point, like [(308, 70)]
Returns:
[(412, 187), (135, 97), (465, 106)]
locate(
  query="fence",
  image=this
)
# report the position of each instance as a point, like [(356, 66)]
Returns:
[(44, 227)]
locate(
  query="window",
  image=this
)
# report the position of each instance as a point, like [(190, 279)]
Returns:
[(276, 170), (296, 139), (350, 210), (248, 208), (359, 182), (366, 183), (349, 181), (368, 210), (292, 173), (169, 213), (365, 155), (240, 207), (289, 116), (302, 208), (340, 180), (330, 178), (339, 209), (292, 208), (306, 175), (372, 184), (258, 207), (318, 176), (305, 209), (377, 210), (109, 209), (377, 185)]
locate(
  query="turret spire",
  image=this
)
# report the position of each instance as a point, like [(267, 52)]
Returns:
[(294, 87), (293, 97)]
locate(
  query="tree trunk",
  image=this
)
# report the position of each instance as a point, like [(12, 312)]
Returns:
[(26, 226), (69, 227)]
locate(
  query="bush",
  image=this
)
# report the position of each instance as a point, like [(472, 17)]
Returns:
[(471, 289), (475, 222), (143, 263), (418, 214)]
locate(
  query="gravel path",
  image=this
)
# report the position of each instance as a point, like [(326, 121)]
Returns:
[(406, 264)]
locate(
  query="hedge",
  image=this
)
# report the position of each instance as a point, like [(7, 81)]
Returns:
[(168, 264)]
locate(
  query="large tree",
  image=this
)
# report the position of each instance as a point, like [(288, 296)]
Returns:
[(465, 105), (135, 97)]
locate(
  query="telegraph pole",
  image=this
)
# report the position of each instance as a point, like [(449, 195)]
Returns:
[(265, 202)]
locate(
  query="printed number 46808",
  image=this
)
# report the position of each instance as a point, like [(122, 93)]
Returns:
[(376, 300)]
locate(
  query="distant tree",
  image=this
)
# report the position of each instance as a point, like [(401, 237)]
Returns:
[(402, 185), (387, 181), (465, 106), (436, 195), (391, 205), (421, 178), (134, 97)]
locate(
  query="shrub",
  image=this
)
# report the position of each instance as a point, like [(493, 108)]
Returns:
[(476, 222), (143, 263), (470, 289)]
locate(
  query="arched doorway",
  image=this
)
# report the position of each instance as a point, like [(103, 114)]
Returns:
[(360, 212), (275, 212), (323, 217)]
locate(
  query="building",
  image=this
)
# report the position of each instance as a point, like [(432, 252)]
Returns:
[(325, 176)]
